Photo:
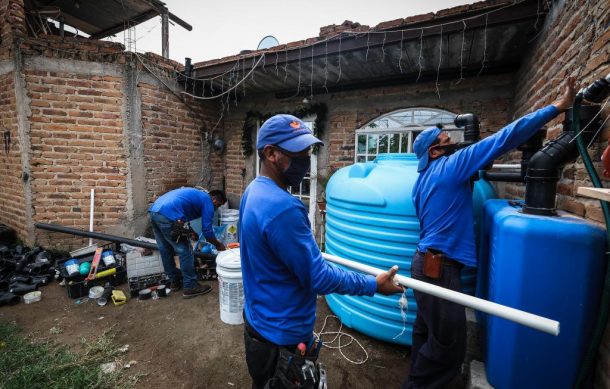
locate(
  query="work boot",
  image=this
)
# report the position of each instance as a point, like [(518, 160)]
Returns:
[(175, 285), (196, 291)]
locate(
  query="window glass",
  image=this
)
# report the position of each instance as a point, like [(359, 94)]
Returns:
[(396, 131)]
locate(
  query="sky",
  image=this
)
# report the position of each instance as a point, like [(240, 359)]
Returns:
[(223, 28)]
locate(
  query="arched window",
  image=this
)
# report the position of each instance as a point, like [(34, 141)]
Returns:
[(395, 132)]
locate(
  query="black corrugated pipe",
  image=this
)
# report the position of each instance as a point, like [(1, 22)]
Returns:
[(543, 171), (471, 125), (529, 148), (188, 68), (109, 238)]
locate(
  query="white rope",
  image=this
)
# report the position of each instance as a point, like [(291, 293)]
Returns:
[(403, 304), (591, 121), (440, 60), (231, 88), (484, 46), (337, 338), (421, 46)]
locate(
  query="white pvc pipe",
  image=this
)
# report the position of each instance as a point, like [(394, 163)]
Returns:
[(525, 318), (506, 166), (92, 203)]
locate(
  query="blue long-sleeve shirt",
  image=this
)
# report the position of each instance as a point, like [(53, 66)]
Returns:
[(283, 269), (187, 204), (442, 194)]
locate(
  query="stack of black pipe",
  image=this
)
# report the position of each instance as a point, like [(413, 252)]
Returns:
[(22, 269)]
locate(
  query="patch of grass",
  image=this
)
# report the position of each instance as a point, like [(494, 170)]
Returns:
[(29, 363)]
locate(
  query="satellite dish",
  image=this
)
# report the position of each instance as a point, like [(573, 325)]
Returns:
[(267, 42)]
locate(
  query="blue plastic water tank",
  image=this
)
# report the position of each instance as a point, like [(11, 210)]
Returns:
[(549, 266), (371, 219)]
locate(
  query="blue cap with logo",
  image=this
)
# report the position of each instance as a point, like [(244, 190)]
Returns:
[(287, 132), (421, 145)]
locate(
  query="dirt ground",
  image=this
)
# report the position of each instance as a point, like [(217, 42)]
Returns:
[(183, 343)]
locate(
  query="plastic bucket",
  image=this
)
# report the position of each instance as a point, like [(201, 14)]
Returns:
[(108, 258), (230, 286), (72, 266), (230, 218)]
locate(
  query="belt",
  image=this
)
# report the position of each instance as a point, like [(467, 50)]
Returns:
[(445, 259)]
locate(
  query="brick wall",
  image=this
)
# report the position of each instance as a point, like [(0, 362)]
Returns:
[(12, 202), (173, 135), (77, 118), (488, 97), (575, 40), (76, 131), (12, 25)]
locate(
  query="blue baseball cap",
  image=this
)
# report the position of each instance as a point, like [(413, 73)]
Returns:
[(422, 143), (287, 132)]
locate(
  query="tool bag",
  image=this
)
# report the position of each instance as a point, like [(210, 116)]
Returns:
[(181, 231), (295, 371)]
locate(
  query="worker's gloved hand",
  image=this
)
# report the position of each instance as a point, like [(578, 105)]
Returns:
[(385, 282)]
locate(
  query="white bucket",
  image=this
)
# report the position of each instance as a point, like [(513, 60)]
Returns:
[(230, 218), (230, 286)]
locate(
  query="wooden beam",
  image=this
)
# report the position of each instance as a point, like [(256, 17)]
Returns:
[(165, 34), (594, 193)]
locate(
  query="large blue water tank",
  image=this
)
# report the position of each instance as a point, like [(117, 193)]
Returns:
[(549, 266), (371, 219)]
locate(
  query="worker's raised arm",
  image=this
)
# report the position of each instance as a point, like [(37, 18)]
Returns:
[(466, 162)]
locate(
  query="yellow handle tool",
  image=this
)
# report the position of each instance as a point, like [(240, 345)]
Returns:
[(106, 273)]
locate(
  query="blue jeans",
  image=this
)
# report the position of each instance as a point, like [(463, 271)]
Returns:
[(162, 228)]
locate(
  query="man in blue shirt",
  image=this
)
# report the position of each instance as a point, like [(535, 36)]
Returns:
[(168, 216), (283, 270), (443, 201)]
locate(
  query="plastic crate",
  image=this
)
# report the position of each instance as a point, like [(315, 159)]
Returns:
[(77, 289), (136, 284)]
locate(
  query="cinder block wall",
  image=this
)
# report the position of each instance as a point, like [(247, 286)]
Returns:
[(86, 114), (574, 40)]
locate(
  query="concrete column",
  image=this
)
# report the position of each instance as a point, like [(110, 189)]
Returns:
[(23, 126), (137, 216)]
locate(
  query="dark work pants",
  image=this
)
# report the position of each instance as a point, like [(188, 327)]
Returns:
[(439, 331), (261, 356)]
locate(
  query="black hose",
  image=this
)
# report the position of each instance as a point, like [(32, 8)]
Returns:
[(110, 238), (586, 366)]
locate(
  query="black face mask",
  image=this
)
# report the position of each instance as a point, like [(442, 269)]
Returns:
[(296, 171), (449, 149)]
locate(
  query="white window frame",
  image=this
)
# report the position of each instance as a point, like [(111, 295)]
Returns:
[(372, 130)]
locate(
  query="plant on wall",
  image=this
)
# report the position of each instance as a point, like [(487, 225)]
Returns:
[(253, 118)]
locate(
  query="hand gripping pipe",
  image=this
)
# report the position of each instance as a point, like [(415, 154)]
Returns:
[(524, 318)]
